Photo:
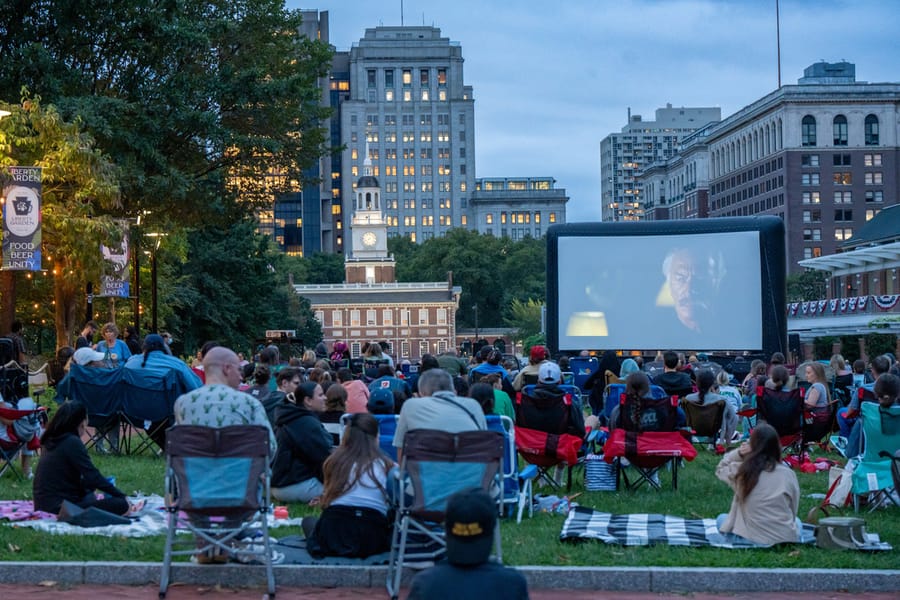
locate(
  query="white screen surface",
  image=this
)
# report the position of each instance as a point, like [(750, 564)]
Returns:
[(696, 291)]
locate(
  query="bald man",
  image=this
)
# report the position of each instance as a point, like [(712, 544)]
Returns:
[(218, 403)]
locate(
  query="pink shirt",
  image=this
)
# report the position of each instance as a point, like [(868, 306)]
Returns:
[(357, 396)]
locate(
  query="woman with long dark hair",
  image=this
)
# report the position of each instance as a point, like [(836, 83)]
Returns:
[(708, 393), (65, 471), (303, 445), (354, 521), (766, 492)]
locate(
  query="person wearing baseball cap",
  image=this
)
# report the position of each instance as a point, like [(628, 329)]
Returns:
[(85, 356), (381, 401), (550, 408), (529, 374), (467, 572)]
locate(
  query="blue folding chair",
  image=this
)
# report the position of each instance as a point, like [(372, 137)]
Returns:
[(582, 368), (517, 484), (387, 427)]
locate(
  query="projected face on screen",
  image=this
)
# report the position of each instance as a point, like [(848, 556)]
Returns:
[(694, 278), (696, 291)]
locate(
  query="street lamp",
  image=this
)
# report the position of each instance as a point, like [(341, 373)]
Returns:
[(153, 281), (476, 323)]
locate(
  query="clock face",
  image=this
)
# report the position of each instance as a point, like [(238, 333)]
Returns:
[(369, 238)]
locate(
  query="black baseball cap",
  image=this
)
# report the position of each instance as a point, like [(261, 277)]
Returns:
[(471, 520)]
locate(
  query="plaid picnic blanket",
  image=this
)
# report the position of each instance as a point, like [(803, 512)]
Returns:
[(646, 529)]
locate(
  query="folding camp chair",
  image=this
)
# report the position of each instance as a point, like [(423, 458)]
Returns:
[(582, 368), (100, 391), (547, 447), (148, 405), (648, 453), (893, 494), (217, 488), (434, 466), (881, 433), (705, 421), (13, 444), (783, 410), (517, 483)]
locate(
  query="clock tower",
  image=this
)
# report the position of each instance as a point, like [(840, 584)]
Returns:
[(369, 261)]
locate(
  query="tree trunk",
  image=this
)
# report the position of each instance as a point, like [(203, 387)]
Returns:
[(7, 300)]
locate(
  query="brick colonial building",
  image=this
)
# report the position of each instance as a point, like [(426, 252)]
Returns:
[(414, 318)]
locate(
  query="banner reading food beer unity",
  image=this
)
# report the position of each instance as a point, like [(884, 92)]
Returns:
[(22, 219), (116, 271)]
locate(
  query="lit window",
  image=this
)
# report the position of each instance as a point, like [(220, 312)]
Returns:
[(407, 77), (552, 217), (407, 96), (423, 316), (389, 95), (442, 95), (874, 178), (811, 197), (489, 219), (843, 233), (843, 178), (872, 160), (336, 318)]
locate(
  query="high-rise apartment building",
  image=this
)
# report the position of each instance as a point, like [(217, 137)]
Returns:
[(641, 143), (821, 154), (412, 115)]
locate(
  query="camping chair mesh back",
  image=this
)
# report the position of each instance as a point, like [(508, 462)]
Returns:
[(148, 404), (705, 420), (881, 434), (434, 466), (100, 391), (219, 479), (783, 410)]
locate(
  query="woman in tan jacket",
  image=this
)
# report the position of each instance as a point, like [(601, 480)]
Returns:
[(766, 492)]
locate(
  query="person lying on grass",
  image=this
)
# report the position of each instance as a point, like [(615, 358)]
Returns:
[(766, 491)]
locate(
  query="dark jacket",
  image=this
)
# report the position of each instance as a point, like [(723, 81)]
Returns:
[(674, 383), (65, 472), (303, 445), (546, 410)]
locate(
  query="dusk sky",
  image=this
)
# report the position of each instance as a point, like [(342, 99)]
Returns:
[(552, 79)]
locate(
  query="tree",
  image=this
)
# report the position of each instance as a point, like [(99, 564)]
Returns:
[(78, 182), (232, 289), (525, 317), (807, 285)]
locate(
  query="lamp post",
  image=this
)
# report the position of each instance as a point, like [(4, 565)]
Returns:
[(476, 323), (154, 288)]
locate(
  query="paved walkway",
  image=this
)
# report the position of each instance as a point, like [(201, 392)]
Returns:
[(192, 592)]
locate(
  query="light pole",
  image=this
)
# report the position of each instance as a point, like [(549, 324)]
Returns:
[(154, 288), (476, 323)]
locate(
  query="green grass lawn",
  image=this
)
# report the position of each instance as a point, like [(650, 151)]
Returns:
[(533, 542)]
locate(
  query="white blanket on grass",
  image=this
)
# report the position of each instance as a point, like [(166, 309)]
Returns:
[(150, 521)]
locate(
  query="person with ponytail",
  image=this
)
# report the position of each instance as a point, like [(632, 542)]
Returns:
[(354, 521), (766, 492)]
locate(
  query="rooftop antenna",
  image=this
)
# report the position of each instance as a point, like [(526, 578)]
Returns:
[(401, 13), (778, 39)]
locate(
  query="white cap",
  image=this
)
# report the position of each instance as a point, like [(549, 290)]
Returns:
[(549, 373), (85, 356)]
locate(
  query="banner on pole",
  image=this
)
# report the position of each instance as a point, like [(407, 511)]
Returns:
[(115, 280), (22, 219)]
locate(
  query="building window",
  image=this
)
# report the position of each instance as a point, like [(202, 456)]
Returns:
[(337, 319), (404, 317), (370, 78), (388, 95), (387, 317), (811, 197), (842, 178), (843, 197), (843, 233), (404, 349), (442, 316), (871, 212), (874, 196), (407, 77), (354, 318), (809, 179), (442, 77), (872, 160), (808, 131), (423, 316), (552, 217), (370, 318), (843, 216), (809, 160), (812, 216), (320, 317), (812, 235), (840, 130), (871, 128), (423, 347), (874, 178), (841, 160)]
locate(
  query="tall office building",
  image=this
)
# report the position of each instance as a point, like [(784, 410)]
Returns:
[(300, 221), (412, 115), (821, 154), (641, 143)]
